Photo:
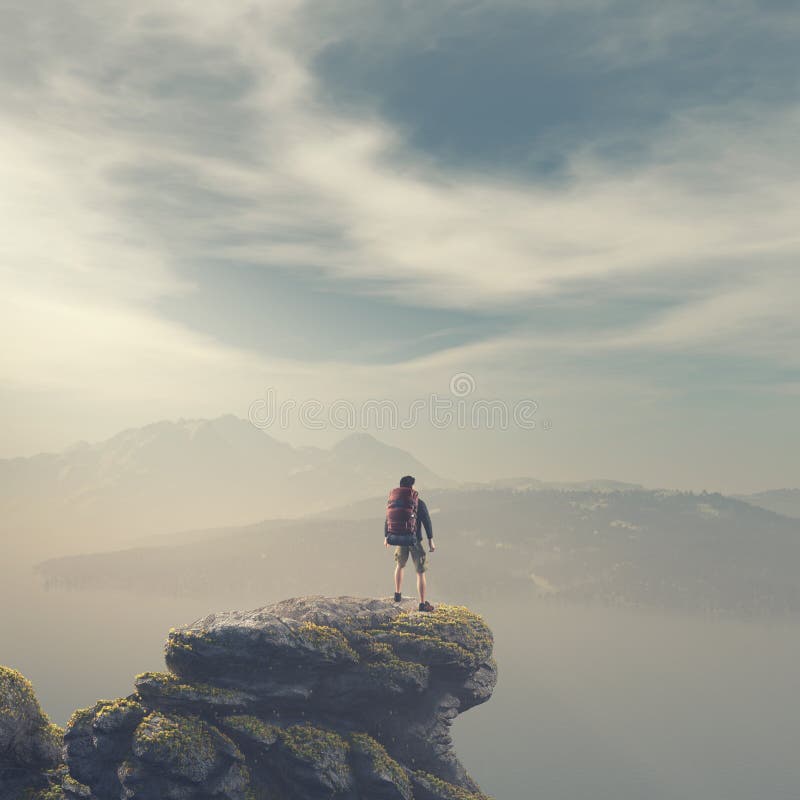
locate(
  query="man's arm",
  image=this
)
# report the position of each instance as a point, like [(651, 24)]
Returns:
[(425, 519)]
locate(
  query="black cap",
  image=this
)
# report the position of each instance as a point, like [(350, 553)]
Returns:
[(407, 481)]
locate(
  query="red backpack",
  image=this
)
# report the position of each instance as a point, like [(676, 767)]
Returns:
[(401, 516)]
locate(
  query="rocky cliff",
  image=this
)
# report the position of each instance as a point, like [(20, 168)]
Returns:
[(30, 745), (314, 697)]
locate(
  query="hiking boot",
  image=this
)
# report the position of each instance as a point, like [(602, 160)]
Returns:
[(426, 606), (397, 597)]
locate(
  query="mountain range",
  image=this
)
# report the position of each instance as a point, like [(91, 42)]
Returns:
[(172, 475), (205, 505)]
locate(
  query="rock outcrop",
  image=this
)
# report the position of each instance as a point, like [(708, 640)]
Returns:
[(314, 697), (30, 745)]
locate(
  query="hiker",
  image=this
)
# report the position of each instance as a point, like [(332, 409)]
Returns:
[(405, 516)]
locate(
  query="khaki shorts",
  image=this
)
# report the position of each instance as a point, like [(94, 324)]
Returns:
[(417, 555)]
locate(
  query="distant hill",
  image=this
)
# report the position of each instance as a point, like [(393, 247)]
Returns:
[(525, 483), (372, 507), (692, 552), (182, 474), (781, 501)]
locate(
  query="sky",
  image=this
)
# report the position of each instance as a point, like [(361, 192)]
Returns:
[(587, 205)]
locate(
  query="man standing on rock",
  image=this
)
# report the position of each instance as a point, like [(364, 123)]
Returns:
[(406, 514)]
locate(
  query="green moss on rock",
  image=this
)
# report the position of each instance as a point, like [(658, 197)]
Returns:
[(54, 779), (105, 716), (385, 667), (75, 788), (18, 702), (452, 633), (112, 707), (388, 669), (443, 790), (117, 715), (317, 760), (52, 735), (27, 737), (170, 687), (185, 746), (311, 744), (50, 793), (381, 762), (251, 728), (82, 717), (323, 637), (16, 693)]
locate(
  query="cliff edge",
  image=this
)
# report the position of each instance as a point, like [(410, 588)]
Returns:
[(314, 697)]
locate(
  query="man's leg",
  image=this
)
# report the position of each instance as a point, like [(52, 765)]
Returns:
[(418, 554), (401, 557)]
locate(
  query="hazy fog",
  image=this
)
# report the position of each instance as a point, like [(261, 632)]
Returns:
[(592, 704)]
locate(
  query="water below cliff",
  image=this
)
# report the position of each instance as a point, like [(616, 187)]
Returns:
[(591, 703), (599, 704)]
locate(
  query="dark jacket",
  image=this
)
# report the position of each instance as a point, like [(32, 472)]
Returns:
[(423, 518)]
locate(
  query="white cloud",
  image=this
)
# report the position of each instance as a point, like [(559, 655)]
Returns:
[(84, 264)]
